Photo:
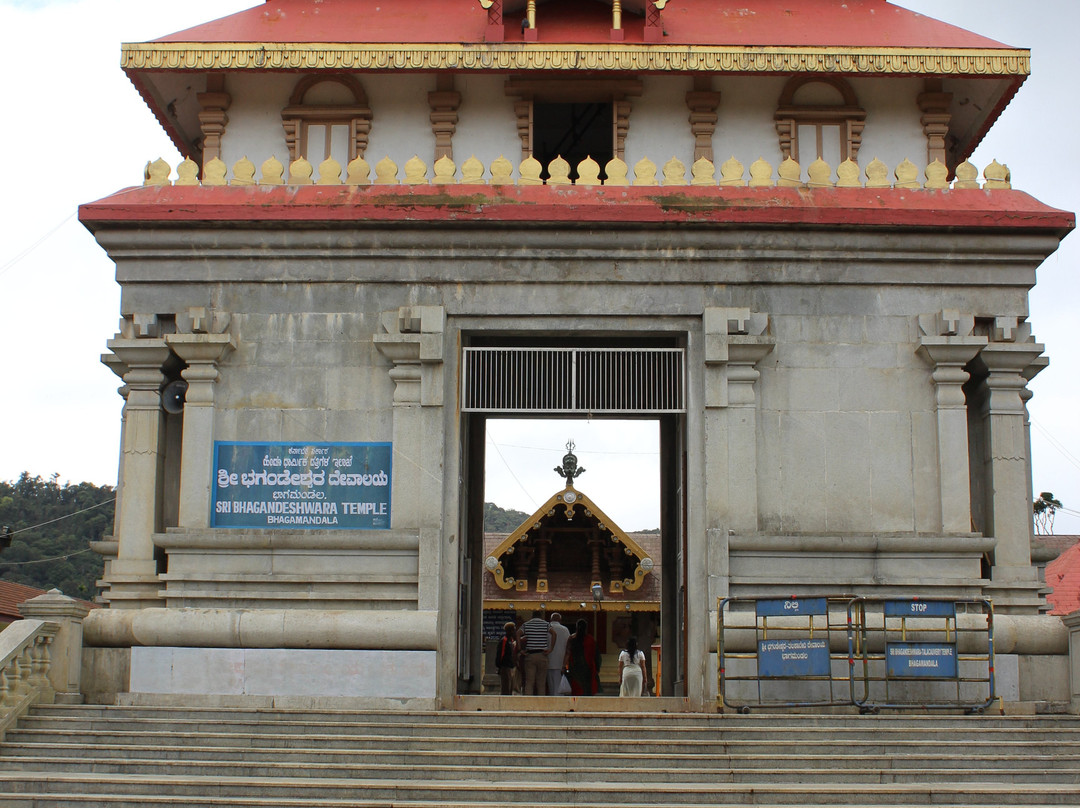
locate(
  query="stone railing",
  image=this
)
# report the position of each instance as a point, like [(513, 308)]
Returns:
[(24, 666), (41, 656), (617, 173)]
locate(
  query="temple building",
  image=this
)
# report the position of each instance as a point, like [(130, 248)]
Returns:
[(752, 223)]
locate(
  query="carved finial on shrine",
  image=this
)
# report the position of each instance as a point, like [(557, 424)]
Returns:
[(569, 468)]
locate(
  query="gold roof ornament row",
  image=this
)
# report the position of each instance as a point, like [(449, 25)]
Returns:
[(616, 56), (617, 173)]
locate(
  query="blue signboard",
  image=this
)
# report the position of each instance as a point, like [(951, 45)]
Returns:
[(791, 658), (301, 486), (921, 660), (791, 606), (920, 608)]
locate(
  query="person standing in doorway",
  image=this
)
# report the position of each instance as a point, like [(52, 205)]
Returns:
[(584, 661), (537, 639), (506, 658), (556, 663), (631, 669)]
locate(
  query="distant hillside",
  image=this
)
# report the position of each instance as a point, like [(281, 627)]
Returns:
[(497, 520), (59, 549)]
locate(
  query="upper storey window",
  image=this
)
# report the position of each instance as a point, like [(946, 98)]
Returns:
[(819, 117), (573, 119), (327, 116)]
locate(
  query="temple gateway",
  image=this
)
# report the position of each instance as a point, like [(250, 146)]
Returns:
[(754, 224)]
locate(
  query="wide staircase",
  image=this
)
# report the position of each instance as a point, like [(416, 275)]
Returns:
[(141, 756)]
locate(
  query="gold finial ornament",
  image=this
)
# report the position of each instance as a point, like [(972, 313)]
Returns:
[(907, 175), (674, 172), (616, 171), (415, 171), (588, 172), (731, 173), (502, 171), (187, 173), (558, 172), (445, 171), (329, 172), (819, 174), (645, 172), (789, 173), (847, 175), (877, 175), (997, 177), (761, 174), (272, 172), (214, 172), (358, 172), (529, 170), (386, 172), (703, 172), (300, 171), (937, 176), (157, 173), (472, 171), (967, 176), (243, 172)]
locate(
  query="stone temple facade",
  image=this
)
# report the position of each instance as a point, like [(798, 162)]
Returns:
[(753, 222)]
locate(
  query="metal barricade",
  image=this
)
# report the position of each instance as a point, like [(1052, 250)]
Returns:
[(786, 652), (929, 653)]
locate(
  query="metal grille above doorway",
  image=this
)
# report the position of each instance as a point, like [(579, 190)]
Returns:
[(574, 380)]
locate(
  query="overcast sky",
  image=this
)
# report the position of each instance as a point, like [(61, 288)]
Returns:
[(75, 131)]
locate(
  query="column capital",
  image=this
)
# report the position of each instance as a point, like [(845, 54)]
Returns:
[(200, 348), (414, 341)]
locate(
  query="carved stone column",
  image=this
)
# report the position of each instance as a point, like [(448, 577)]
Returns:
[(934, 105), (444, 103), (133, 582), (414, 342), (735, 342), (201, 352), (1008, 356), (212, 117), (948, 345), (703, 102)]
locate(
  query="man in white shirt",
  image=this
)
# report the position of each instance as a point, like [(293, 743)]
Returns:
[(557, 655)]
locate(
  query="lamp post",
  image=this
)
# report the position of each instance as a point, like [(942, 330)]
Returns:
[(5, 537)]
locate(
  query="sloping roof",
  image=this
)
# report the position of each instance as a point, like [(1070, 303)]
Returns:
[(11, 595), (1063, 576), (747, 23)]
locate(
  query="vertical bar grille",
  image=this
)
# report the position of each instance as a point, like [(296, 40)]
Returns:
[(573, 380)]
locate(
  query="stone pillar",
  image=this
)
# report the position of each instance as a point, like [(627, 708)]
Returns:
[(444, 103), (133, 582), (212, 117), (202, 352), (1014, 582), (735, 342), (934, 105), (1072, 624), (703, 102), (65, 651), (948, 345)]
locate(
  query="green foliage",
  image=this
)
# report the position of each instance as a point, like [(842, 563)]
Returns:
[(73, 568), (1045, 508), (497, 520)]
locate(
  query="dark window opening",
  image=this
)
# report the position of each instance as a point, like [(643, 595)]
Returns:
[(574, 132)]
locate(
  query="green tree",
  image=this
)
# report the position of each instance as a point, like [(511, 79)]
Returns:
[(52, 526), (1045, 508)]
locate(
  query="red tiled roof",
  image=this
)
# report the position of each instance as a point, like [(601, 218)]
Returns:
[(747, 23), (11, 595), (1063, 576)]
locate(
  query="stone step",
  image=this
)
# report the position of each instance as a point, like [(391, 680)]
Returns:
[(639, 791), (646, 769), (48, 800), (347, 754), (212, 736), (875, 729)]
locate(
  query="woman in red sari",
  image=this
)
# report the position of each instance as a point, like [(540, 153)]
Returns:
[(583, 661)]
